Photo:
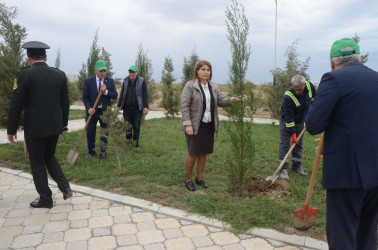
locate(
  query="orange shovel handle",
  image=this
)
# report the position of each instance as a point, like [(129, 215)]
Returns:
[(314, 172)]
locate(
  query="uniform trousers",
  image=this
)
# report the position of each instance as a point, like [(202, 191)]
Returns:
[(42, 155), (284, 147), (134, 117), (91, 132), (352, 217)]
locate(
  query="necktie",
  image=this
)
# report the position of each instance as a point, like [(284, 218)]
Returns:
[(99, 89)]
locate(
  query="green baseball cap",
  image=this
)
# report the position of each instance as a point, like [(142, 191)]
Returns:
[(133, 68), (100, 65), (344, 43)]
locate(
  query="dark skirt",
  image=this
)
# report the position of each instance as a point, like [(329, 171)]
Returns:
[(203, 142)]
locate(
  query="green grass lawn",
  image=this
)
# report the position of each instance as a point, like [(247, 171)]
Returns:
[(76, 114), (157, 173)]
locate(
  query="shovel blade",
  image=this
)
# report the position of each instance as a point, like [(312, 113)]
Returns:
[(305, 218), (72, 156), (272, 178)]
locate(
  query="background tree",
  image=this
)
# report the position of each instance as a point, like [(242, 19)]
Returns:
[(283, 78), (12, 58), (105, 55), (88, 68), (188, 68), (57, 59), (242, 151), (364, 58), (144, 65), (170, 100)]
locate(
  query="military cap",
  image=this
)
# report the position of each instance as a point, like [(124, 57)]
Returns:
[(35, 47)]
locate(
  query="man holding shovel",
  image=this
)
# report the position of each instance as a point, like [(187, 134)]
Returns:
[(346, 109), (295, 104), (42, 93), (92, 88)]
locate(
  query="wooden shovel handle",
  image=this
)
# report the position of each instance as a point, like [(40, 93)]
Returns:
[(289, 152), (315, 170), (88, 120)]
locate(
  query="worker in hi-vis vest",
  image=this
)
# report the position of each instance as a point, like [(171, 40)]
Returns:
[(295, 104)]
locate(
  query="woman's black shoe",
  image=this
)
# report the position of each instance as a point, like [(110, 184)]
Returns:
[(190, 186), (202, 183)]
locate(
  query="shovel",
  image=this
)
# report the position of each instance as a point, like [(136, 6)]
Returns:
[(73, 154), (305, 217), (274, 177)]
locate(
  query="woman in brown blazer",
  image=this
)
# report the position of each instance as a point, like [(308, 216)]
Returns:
[(199, 120)]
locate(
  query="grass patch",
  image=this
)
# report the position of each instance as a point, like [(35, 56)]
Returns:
[(76, 114), (157, 173)]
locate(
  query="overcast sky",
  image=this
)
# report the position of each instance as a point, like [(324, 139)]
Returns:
[(175, 27)]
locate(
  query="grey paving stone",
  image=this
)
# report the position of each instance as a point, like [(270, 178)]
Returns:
[(13, 221), (53, 237), (137, 210), (32, 229), (127, 240), (244, 236), (161, 216), (60, 216), (102, 231), (185, 222), (79, 224)]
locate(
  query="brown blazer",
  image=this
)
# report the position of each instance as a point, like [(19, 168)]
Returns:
[(192, 105)]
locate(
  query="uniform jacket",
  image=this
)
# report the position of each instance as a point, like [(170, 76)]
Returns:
[(90, 92), (346, 108), (293, 113), (141, 92), (192, 105), (42, 92)]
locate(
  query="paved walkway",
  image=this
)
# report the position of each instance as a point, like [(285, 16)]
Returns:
[(95, 219), (75, 125)]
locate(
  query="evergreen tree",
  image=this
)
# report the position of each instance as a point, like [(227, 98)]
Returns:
[(144, 65), (188, 68), (283, 78), (364, 58), (12, 57), (57, 59), (170, 97), (116, 128), (242, 152), (83, 74), (88, 68), (105, 55)]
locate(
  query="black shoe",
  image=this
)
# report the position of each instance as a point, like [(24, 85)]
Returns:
[(39, 204), (202, 183), (67, 194), (137, 147), (103, 156), (190, 186), (90, 154)]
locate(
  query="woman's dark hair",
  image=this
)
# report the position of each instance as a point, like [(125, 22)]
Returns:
[(199, 65)]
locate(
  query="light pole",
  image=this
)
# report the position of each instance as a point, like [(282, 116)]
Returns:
[(275, 47)]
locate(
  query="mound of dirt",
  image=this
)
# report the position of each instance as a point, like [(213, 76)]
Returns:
[(258, 186)]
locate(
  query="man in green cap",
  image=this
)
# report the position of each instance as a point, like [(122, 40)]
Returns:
[(345, 108), (134, 103), (92, 87)]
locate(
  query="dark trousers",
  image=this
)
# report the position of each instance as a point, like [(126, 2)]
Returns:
[(296, 155), (91, 132), (133, 117), (42, 156), (352, 217)]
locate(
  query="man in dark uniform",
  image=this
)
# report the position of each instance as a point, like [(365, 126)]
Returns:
[(295, 104), (42, 93), (134, 102), (92, 86), (345, 108)]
